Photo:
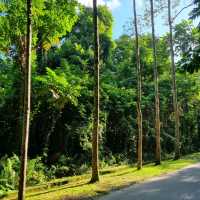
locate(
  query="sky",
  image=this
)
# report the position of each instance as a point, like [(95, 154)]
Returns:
[(123, 12)]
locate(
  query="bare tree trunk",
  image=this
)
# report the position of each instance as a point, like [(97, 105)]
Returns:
[(26, 106), (40, 52), (174, 89), (156, 82), (21, 61), (95, 136), (198, 124), (139, 90), (55, 118)]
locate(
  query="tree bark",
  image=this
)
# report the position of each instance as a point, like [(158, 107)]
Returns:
[(55, 118), (139, 90), (39, 52), (174, 88), (21, 62), (26, 105), (198, 125), (95, 135), (156, 83)]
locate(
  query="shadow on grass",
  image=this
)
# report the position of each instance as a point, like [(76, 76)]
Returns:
[(125, 173), (71, 198), (55, 189), (195, 157), (2, 195), (106, 172)]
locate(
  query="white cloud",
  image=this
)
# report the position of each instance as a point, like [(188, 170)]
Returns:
[(112, 4), (140, 3)]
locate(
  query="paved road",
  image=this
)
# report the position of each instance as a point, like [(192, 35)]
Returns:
[(182, 185)]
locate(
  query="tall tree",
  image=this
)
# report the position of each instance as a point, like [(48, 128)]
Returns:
[(174, 88), (26, 105), (139, 90), (95, 135), (196, 10), (156, 82), (54, 26)]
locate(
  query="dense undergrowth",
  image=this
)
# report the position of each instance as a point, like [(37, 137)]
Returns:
[(40, 172), (62, 93), (112, 177)]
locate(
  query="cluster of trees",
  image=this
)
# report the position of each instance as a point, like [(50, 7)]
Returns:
[(88, 87)]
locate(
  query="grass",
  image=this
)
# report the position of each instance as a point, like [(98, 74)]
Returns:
[(112, 178)]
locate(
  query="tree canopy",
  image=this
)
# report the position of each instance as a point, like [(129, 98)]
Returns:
[(61, 118)]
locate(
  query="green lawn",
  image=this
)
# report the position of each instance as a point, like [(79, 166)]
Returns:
[(111, 178)]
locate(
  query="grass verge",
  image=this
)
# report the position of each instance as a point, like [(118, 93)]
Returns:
[(112, 178)]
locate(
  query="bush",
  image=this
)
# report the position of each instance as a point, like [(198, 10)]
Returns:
[(9, 173), (65, 166), (36, 172), (110, 159), (62, 171), (82, 169)]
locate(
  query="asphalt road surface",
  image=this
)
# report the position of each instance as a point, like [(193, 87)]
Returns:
[(182, 185)]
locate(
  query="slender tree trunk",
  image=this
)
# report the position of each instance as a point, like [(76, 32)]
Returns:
[(26, 106), (156, 82), (95, 136), (55, 118), (139, 90), (174, 89), (39, 52), (21, 61), (198, 126)]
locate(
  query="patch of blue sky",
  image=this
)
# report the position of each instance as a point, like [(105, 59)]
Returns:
[(124, 12)]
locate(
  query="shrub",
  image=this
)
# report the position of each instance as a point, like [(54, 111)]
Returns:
[(82, 169), (62, 171), (9, 173), (36, 172)]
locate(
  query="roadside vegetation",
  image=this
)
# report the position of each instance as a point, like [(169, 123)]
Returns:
[(78, 106), (112, 178)]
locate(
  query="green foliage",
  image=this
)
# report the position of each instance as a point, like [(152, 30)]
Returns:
[(36, 172), (63, 88), (195, 12), (62, 91), (64, 167), (7, 77), (187, 46), (9, 172), (53, 18), (113, 177), (62, 171)]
